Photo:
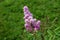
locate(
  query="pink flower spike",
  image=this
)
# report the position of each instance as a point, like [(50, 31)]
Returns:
[(31, 24)]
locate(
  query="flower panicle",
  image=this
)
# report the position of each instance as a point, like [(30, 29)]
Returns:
[(31, 24)]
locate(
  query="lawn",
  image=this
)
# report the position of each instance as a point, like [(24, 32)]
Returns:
[(12, 21)]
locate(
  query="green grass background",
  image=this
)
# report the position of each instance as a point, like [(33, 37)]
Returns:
[(12, 22)]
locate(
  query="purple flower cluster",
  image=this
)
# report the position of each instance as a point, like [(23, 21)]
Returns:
[(31, 24)]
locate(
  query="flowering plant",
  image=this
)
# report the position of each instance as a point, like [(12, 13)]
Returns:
[(31, 24)]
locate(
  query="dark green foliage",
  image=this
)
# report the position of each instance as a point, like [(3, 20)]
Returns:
[(12, 22)]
